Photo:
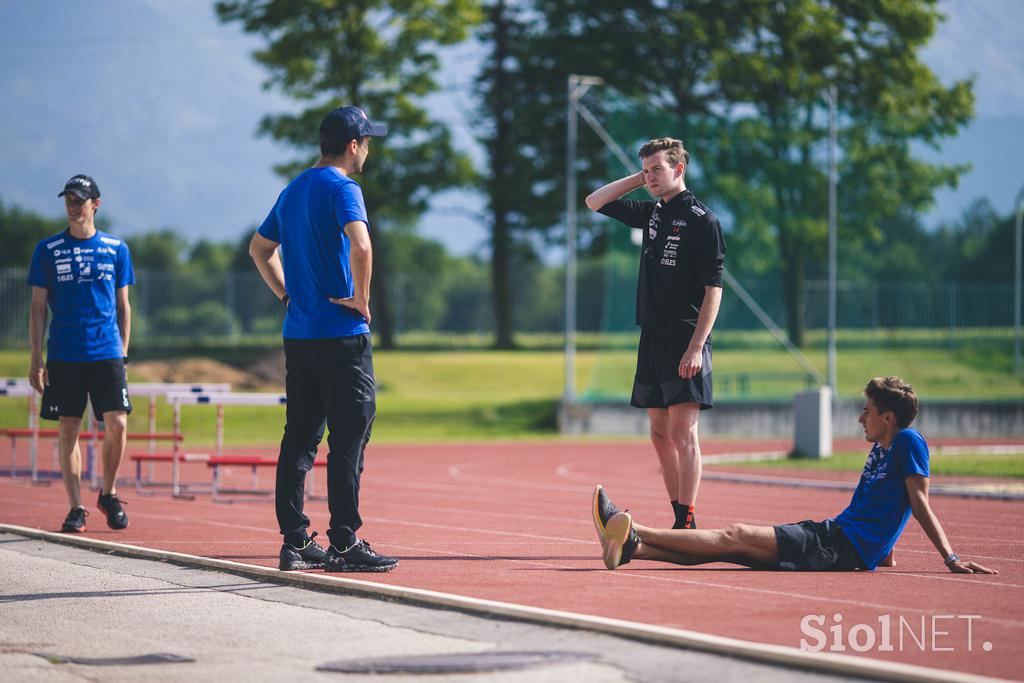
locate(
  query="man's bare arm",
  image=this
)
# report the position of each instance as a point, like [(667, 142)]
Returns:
[(360, 256), (917, 490), (37, 375), (268, 263), (124, 317), (614, 190), (692, 360)]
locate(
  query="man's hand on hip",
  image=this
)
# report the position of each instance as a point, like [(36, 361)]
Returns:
[(361, 307)]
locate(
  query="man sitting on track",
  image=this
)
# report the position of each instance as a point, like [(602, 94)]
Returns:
[(893, 485)]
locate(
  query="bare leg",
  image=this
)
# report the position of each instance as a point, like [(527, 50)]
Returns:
[(738, 543), (114, 441), (665, 447), (70, 458), (682, 422)]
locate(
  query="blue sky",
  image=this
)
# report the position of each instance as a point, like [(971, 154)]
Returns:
[(160, 103)]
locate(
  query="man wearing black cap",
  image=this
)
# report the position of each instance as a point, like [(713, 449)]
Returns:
[(322, 275), (83, 274)]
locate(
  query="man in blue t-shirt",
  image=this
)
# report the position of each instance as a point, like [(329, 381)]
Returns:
[(313, 251), (893, 486), (83, 274)]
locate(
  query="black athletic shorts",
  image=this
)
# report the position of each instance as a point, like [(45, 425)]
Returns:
[(657, 383), (816, 547), (102, 381)]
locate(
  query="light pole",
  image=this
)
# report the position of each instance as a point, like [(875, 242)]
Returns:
[(577, 86), (832, 246), (1016, 281)]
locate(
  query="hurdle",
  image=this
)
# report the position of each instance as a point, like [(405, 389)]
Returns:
[(178, 399), (17, 387), (91, 435), (153, 391)]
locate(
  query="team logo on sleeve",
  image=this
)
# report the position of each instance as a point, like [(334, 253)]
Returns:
[(697, 210)]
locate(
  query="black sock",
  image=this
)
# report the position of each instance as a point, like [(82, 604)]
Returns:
[(684, 516)]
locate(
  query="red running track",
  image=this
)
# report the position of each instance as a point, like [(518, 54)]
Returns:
[(511, 522)]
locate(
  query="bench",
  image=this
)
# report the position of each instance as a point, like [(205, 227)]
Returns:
[(153, 458), (20, 433), (216, 462)]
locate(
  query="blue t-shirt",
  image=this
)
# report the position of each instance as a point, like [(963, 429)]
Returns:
[(82, 277), (308, 221), (880, 507)]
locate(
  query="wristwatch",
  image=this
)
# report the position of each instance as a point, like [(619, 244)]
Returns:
[(952, 559), (285, 299)]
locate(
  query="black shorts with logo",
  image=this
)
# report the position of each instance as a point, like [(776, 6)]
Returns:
[(810, 546), (657, 383), (102, 381)]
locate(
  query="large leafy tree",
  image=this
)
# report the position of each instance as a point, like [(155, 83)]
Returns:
[(380, 55), (745, 82), (770, 167)]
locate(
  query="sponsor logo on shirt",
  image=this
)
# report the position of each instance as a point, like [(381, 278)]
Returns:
[(678, 223), (697, 210), (110, 240), (55, 243), (63, 268), (876, 468)]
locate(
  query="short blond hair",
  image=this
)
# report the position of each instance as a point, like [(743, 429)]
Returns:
[(675, 152)]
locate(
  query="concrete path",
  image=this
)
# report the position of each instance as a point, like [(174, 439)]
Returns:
[(62, 601)]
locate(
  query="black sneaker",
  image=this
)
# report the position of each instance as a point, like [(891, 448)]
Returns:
[(620, 540), (602, 509), (309, 556), (358, 558), (74, 523), (110, 505)]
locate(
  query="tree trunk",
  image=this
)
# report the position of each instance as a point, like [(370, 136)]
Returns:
[(380, 297), (501, 238)]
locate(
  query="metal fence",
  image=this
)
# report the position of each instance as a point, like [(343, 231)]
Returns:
[(236, 308)]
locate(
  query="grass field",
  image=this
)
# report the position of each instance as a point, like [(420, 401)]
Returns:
[(482, 395), (959, 465)]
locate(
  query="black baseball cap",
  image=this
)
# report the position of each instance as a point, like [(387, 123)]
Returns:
[(350, 123), (82, 186)]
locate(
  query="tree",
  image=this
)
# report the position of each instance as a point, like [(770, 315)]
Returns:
[(521, 95), (20, 231), (379, 55), (160, 250), (745, 80)]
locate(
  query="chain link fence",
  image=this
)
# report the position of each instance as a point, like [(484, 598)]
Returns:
[(185, 308)]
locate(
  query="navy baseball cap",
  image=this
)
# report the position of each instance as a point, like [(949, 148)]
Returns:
[(82, 186), (350, 123)]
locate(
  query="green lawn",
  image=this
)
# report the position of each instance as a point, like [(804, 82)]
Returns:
[(961, 464), (481, 394)]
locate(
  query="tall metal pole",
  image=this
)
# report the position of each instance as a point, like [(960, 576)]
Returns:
[(832, 198), (1017, 282), (576, 86), (570, 243)]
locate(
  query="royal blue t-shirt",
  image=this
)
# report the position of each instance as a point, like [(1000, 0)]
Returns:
[(82, 277), (308, 221), (880, 507)]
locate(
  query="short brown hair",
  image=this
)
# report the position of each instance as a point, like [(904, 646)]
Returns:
[(676, 153), (892, 394)]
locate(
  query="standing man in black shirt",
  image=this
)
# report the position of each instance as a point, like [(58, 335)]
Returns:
[(678, 295)]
